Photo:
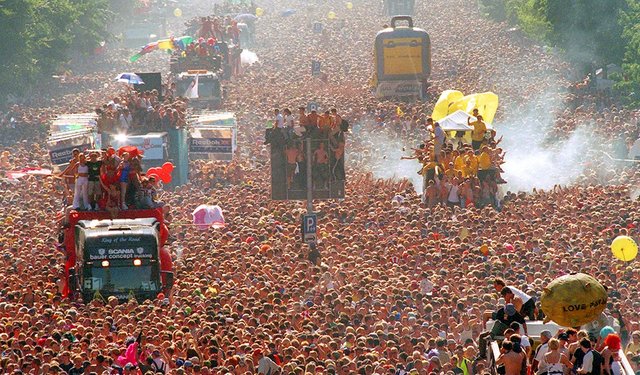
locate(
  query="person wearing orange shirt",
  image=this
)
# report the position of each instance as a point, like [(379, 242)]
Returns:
[(336, 119), (302, 117), (324, 122), (312, 119)]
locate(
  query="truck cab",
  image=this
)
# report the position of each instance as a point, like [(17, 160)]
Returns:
[(208, 93), (122, 257)]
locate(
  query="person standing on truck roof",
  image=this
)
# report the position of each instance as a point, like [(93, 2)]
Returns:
[(69, 177), (439, 137), (81, 184), (525, 304), (94, 189), (279, 121), (479, 129), (124, 169), (336, 119), (289, 123)]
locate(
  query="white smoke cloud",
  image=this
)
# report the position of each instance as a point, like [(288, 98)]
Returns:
[(248, 58), (380, 154), (534, 157)]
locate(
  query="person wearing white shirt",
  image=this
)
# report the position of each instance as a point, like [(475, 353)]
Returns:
[(587, 360), (125, 119), (539, 365), (439, 137), (426, 286), (528, 306), (279, 119)]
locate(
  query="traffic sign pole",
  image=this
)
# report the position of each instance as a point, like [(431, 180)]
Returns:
[(309, 178), (310, 220)]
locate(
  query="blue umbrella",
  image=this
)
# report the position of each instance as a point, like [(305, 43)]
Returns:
[(131, 78), (246, 17), (287, 12)]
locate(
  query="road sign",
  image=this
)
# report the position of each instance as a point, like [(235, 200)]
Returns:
[(317, 27), (315, 68), (309, 228), (312, 106)]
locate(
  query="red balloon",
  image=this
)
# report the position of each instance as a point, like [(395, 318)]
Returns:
[(165, 177), (155, 170), (167, 167)]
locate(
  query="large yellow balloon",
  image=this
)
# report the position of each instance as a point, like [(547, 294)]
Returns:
[(452, 100), (486, 103), (573, 300), (259, 12), (624, 248), (349, 5), (441, 109), (177, 12), (331, 15)]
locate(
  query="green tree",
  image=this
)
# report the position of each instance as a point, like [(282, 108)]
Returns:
[(40, 34), (629, 85), (588, 30)]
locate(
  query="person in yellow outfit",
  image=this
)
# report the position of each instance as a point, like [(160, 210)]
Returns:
[(429, 169), (484, 163), (458, 161), (477, 135), (471, 164), (450, 171)]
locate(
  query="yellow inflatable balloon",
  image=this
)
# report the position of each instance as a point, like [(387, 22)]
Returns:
[(441, 109), (486, 103), (349, 5), (573, 300), (624, 248), (177, 12), (259, 12), (331, 15), (453, 100)]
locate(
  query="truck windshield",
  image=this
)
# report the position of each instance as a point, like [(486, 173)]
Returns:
[(207, 87), (120, 279)]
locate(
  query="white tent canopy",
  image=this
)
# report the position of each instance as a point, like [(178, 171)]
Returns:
[(457, 121)]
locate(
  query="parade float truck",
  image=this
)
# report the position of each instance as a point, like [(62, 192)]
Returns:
[(202, 87), (122, 257)]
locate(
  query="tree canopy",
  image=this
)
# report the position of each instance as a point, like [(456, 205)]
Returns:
[(592, 33), (39, 36)]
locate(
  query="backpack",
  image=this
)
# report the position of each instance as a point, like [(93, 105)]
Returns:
[(162, 369)]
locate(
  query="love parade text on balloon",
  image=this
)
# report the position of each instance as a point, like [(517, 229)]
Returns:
[(583, 306)]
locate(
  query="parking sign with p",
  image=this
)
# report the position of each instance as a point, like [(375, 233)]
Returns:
[(309, 228)]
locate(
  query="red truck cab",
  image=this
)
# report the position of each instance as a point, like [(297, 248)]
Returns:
[(123, 256)]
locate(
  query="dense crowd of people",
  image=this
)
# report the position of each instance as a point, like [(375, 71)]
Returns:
[(134, 112), (397, 283)]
